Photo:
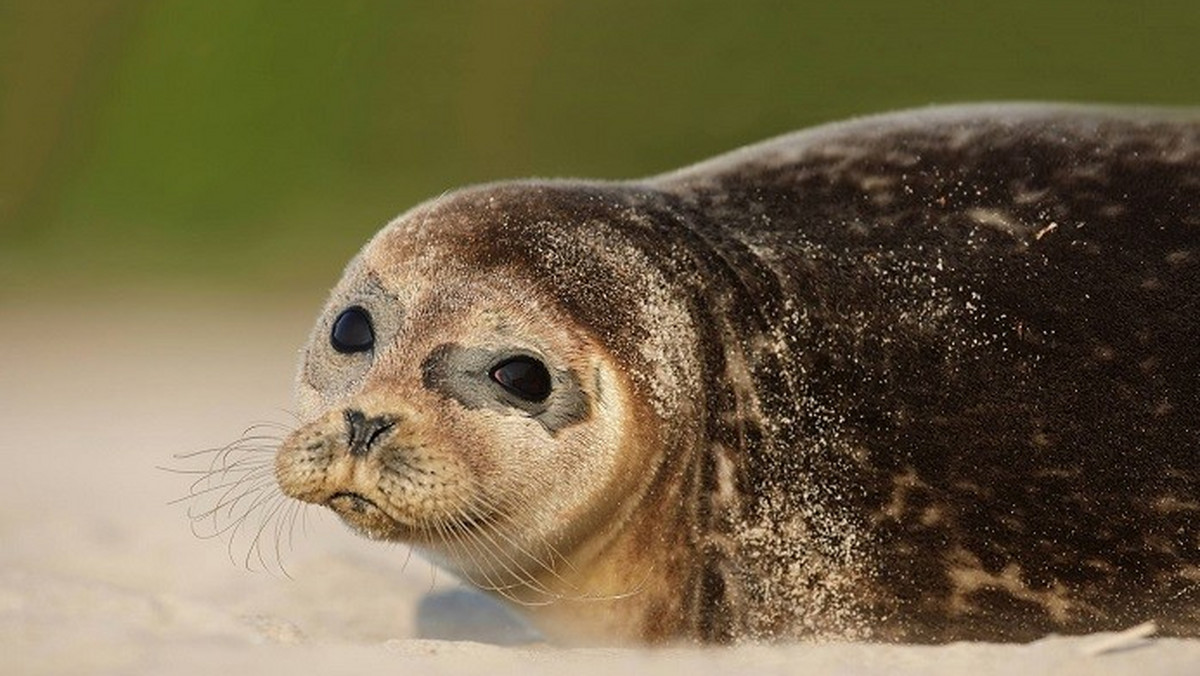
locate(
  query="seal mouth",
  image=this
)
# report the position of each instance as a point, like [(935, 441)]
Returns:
[(344, 502), (365, 516)]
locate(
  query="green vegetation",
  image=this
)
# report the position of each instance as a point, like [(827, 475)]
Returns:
[(245, 142)]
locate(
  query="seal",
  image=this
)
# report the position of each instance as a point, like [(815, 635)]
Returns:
[(923, 377)]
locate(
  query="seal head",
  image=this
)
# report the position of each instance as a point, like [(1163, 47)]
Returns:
[(470, 390)]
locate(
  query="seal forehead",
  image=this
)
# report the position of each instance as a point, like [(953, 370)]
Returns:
[(597, 253)]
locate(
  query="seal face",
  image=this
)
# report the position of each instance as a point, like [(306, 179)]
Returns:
[(927, 376)]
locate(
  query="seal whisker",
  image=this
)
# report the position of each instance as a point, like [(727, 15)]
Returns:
[(529, 578), (298, 516), (204, 485), (472, 545), (255, 531), (224, 474), (501, 581), (282, 524), (577, 594), (277, 514), (457, 549), (264, 487), (255, 444), (235, 525), (271, 425), (263, 494), (490, 524), (271, 508), (252, 482), (498, 552), (203, 473), (474, 551), (407, 558), (241, 444), (506, 504), (231, 522), (304, 520)]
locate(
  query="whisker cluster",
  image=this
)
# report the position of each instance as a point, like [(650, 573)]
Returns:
[(234, 497), (494, 555)]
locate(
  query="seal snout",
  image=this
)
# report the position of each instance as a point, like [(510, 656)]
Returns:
[(364, 431)]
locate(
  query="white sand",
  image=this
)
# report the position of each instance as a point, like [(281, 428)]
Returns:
[(98, 574)]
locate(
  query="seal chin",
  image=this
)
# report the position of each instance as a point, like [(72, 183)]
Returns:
[(365, 516)]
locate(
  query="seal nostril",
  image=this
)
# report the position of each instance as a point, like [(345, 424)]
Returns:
[(363, 432), (379, 432), (355, 422)]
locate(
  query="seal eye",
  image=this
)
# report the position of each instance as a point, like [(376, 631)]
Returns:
[(525, 377), (352, 331)]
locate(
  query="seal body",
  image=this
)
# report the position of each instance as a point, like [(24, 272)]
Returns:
[(927, 376)]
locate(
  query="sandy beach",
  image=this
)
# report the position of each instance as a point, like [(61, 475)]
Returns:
[(100, 572)]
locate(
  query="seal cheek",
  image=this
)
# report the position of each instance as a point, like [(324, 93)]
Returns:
[(302, 462)]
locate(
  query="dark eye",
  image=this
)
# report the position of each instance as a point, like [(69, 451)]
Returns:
[(352, 331), (525, 377)]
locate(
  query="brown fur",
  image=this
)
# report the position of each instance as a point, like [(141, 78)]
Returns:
[(922, 377)]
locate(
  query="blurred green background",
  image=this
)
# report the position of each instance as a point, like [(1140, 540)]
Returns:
[(249, 144)]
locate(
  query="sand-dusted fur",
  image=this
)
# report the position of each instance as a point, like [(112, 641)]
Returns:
[(922, 377)]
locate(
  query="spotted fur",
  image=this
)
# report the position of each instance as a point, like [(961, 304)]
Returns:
[(922, 377)]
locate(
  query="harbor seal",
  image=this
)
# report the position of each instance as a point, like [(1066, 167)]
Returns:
[(923, 377)]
